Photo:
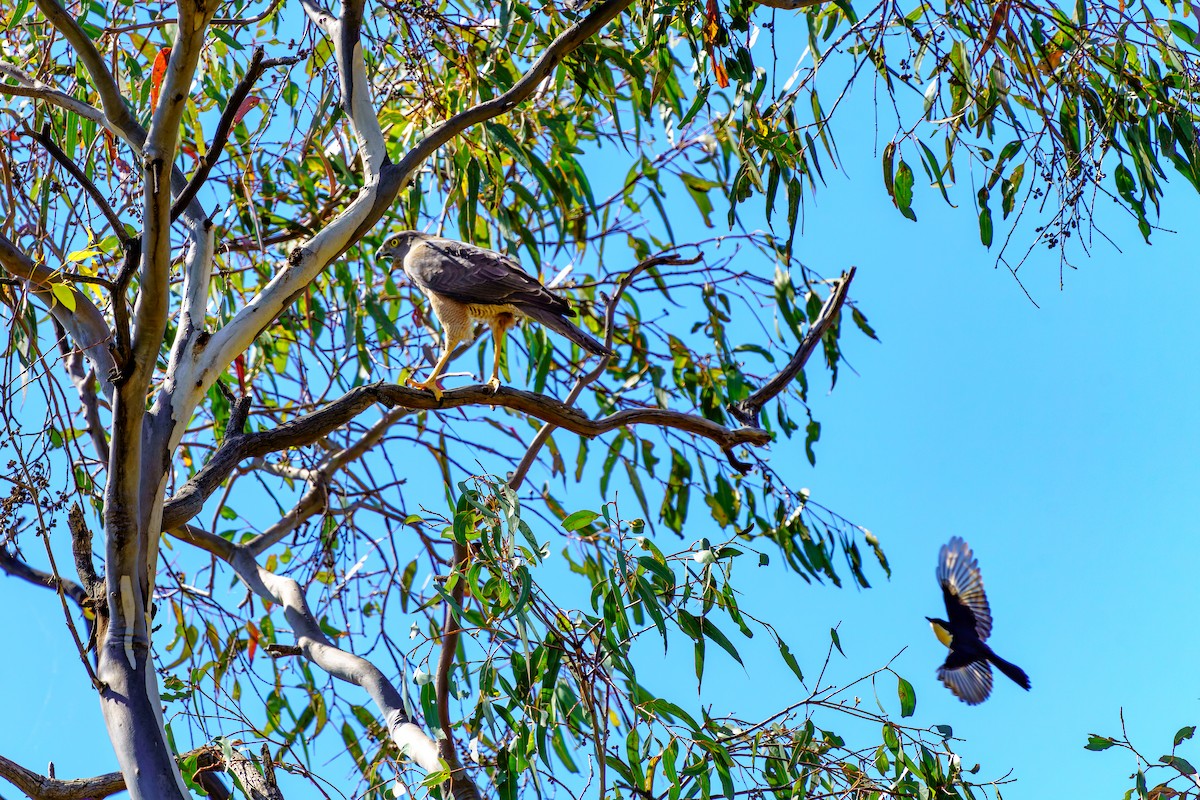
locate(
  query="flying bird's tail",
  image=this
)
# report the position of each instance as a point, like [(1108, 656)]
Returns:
[(1011, 670), (568, 329)]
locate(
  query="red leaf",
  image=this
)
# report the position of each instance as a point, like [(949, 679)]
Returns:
[(254, 637), (719, 71), (157, 74), (712, 32), (712, 22), (247, 104), (239, 366), (999, 16)]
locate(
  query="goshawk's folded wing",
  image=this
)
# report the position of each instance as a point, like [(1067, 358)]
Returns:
[(473, 275)]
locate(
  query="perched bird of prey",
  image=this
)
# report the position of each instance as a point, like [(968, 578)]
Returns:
[(966, 671), (464, 283)]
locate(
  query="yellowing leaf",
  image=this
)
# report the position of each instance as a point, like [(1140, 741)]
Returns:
[(64, 294), (81, 255)]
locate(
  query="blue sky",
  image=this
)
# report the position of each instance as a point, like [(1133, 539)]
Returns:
[(1060, 441)]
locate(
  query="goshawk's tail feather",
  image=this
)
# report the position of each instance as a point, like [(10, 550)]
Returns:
[(568, 329)]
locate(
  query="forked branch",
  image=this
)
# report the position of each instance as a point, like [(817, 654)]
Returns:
[(747, 411), (314, 645)]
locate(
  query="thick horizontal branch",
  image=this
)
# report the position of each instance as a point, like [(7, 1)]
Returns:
[(28, 86), (39, 787), (747, 411), (305, 430), (17, 568)]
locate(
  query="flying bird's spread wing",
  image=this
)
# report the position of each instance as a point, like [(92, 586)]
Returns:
[(962, 589), (474, 276), (971, 681)]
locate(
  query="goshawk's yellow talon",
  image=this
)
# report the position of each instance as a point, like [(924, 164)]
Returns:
[(427, 385), (494, 384)]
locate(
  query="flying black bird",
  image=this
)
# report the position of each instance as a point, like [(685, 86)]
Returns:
[(464, 283), (966, 671)]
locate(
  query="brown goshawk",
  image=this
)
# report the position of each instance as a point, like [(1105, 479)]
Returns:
[(465, 283)]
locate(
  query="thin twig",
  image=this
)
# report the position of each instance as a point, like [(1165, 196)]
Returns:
[(451, 628), (78, 174), (544, 433), (258, 65), (747, 411)]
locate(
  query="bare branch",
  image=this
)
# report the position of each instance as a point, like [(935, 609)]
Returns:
[(747, 411), (150, 316), (305, 430), (345, 32), (15, 567), (314, 501), (131, 259), (209, 761), (84, 381), (81, 549), (451, 628), (283, 650), (39, 787), (356, 89), (33, 88), (258, 785), (321, 16)]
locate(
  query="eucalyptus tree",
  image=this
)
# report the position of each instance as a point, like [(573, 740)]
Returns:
[(193, 195)]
